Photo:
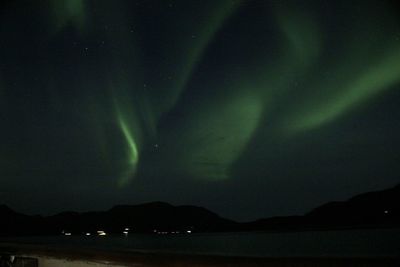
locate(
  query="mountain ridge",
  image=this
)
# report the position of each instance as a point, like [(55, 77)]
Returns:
[(370, 209)]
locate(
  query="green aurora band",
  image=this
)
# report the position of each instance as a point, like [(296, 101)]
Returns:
[(133, 153), (65, 12), (376, 78), (212, 151), (216, 131), (206, 28)]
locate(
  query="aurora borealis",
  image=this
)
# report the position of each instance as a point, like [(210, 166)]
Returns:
[(249, 108)]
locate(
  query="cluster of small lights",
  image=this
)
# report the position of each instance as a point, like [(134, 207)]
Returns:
[(101, 233), (126, 231), (172, 232)]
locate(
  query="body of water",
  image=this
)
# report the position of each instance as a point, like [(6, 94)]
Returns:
[(345, 243)]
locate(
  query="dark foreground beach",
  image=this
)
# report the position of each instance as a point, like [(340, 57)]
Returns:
[(47, 256)]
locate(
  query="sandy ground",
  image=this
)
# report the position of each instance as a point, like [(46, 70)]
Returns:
[(54, 262), (78, 257)]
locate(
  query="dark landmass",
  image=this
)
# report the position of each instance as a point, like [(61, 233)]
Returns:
[(368, 210), (149, 217), (373, 209)]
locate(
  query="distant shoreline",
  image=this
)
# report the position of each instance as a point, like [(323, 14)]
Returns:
[(315, 228), (378, 209)]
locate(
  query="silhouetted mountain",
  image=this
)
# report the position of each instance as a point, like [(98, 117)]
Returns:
[(374, 209), (380, 207), (11, 220), (149, 217)]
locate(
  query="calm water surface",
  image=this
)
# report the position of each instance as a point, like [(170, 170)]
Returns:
[(349, 243)]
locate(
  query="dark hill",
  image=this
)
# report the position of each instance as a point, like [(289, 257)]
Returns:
[(380, 207), (373, 209), (149, 217)]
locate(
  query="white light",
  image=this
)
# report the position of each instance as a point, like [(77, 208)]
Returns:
[(188, 231), (101, 233), (125, 232), (386, 211), (126, 229), (67, 234), (87, 233)]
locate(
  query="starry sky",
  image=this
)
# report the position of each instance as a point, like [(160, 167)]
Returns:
[(249, 108)]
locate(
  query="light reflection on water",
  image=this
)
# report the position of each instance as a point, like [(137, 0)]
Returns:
[(351, 243)]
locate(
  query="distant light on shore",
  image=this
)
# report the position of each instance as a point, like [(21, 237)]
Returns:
[(101, 233), (173, 232)]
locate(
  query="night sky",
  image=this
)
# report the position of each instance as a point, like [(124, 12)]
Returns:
[(248, 108)]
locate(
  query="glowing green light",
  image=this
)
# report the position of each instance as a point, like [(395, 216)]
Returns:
[(134, 155), (196, 45), (133, 152), (219, 136), (68, 12), (374, 79), (301, 33)]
